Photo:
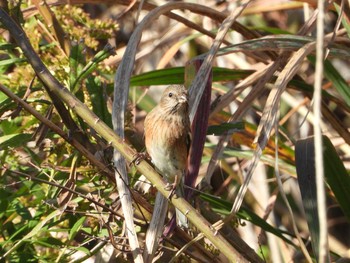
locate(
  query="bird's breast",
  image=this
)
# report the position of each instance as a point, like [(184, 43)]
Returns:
[(166, 143)]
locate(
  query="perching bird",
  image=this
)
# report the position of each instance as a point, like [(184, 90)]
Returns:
[(167, 135)]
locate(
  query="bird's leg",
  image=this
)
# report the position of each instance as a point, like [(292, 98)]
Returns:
[(172, 187)]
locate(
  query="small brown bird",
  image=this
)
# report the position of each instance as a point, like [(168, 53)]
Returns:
[(167, 135)]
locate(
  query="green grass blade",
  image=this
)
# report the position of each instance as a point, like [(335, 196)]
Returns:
[(335, 174), (332, 74), (176, 76), (11, 61), (305, 165), (223, 207), (218, 130), (92, 65), (35, 231), (98, 99), (337, 177)]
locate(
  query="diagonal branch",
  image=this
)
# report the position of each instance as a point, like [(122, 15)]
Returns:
[(102, 129)]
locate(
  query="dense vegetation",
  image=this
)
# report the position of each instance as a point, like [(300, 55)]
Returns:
[(83, 69)]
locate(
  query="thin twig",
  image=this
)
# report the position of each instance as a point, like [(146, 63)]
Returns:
[(34, 178), (321, 197)]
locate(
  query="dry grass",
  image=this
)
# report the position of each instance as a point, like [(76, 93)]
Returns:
[(261, 60)]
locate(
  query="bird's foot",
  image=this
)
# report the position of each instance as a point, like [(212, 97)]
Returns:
[(171, 188), (138, 157)]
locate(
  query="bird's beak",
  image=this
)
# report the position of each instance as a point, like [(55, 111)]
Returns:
[(183, 98)]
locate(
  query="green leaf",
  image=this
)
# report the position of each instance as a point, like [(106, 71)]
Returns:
[(92, 65), (11, 61), (218, 130), (76, 227), (4, 203), (18, 232), (175, 75), (98, 99), (11, 126), (14, 140), (76, 64), (337, 80), (6, 46), (247, 154), (271, 30), (305, 165), (83, 249), (159, 77), (336, 176), (226, 74), (49, 242), (344, 20), (35, 231), (3, 98), (224, 207)]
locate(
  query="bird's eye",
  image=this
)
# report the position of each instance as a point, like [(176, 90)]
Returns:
[(170, 94)]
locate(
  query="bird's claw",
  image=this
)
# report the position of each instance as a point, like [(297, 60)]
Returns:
[(138, 157), (171, 188)]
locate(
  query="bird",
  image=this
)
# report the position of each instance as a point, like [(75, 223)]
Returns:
[(167, 139)]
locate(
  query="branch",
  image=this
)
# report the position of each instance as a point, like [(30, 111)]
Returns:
[(102, 129)]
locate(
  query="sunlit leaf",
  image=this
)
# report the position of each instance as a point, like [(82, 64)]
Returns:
[(218, 130), (76, 227), (14, 140), (223, 207)]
